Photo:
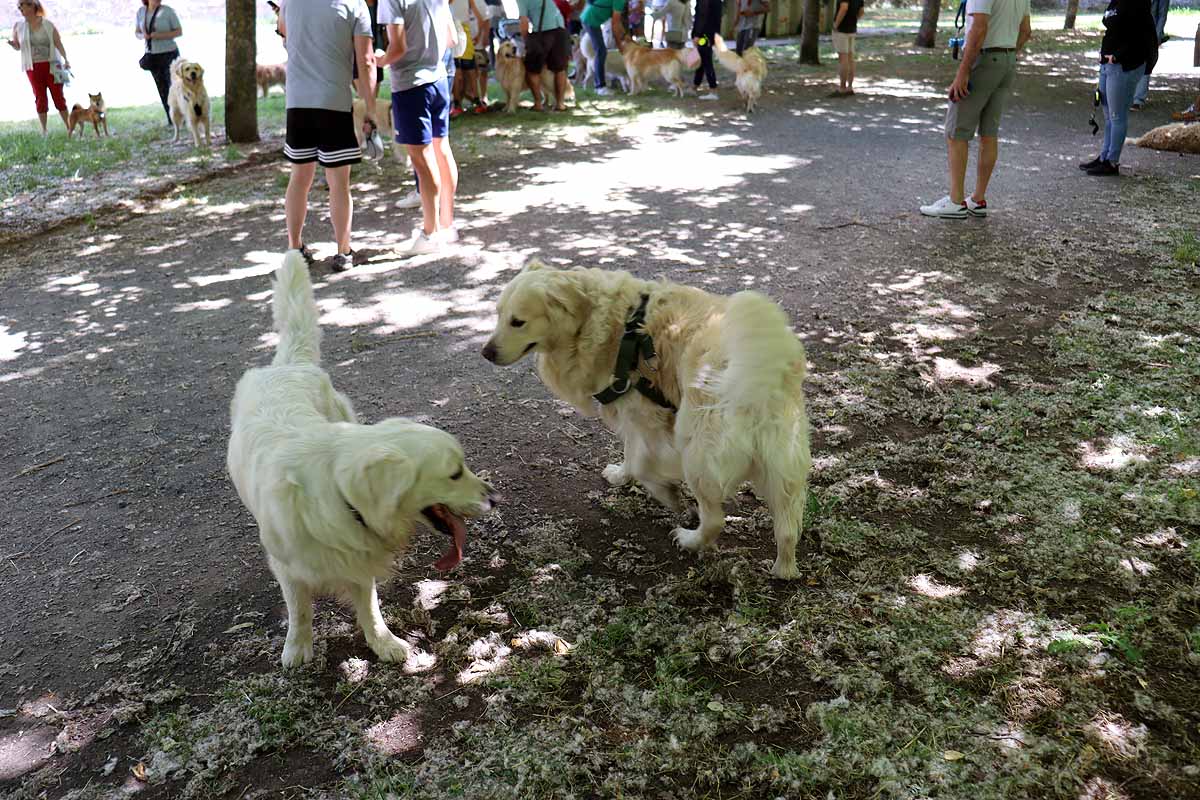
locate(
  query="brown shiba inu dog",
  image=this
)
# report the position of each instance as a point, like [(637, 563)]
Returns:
[(95, 113)]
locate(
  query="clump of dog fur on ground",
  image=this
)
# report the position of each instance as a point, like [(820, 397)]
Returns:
[(1178, 137)]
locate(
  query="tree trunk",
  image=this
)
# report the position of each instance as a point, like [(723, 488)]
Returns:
[(241, 90), (830, 13), (927, 34), (1072, 10), (810, 52)]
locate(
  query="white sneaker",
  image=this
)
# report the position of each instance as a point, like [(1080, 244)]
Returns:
[(603, 91), (945, 209), (410, 200), (976, 209), (448, 235), (709, 96), (423, 244)]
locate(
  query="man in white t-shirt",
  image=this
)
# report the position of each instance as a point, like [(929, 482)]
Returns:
[(996, 31)]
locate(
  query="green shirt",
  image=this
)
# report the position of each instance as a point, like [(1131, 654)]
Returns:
[(600, 11)]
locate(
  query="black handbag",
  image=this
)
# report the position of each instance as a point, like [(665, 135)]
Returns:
[(147, 61)]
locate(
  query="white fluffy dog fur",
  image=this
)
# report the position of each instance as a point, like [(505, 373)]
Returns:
[(749, 70), (335, 501), (731, 365), (188, 101)]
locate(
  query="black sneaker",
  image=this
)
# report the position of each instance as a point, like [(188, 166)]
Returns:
[(342, 262), (1105, 168), (1095, 162)]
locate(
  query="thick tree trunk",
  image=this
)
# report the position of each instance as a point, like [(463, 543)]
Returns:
[(927, 34), (810, 52), (1072, 10), (241, 91)]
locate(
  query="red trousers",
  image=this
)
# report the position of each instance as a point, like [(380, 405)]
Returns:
[(41, 80)]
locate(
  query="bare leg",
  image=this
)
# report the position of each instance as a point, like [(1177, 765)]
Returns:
[(381, 640), (296, 202), (298, 646), (989, 148), (428, 175), (341, 206), (62, 112), (42, 119), (534, 79), (560, 91), (448, 177), (957, 157)]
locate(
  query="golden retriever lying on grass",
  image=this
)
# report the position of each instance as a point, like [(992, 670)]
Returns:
[(336, 501), (730, 365)]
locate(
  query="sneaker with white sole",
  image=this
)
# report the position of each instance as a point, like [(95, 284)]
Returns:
[(410, 200), (424, 244), (945, 209), (976, 209), (709, 96), (603, 91), (448, 235)]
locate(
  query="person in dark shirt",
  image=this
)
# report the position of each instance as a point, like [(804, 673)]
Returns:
[(1128, 52), (705, 26), (845, 28)]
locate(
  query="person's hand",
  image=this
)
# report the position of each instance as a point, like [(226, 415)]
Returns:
[(1111, 59), (959, 89)]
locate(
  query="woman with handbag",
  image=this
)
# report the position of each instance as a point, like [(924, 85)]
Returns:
[(159, 27), (41, 51)]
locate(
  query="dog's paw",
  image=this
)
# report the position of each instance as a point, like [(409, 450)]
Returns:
[(690, 539), (787, 572), (391, 649), (296, 654), (615, 474)]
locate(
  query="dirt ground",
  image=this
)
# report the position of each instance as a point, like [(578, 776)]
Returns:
[(135, 597)]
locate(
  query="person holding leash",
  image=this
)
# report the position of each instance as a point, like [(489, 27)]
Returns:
[(40, 47)]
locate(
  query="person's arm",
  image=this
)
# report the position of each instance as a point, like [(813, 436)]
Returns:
[(396, 45), (843, 9), (971, 49), (862, 9), (59, 46), (15, 41), (482, 23), (617, 28), (364, 56), (1024, 34)]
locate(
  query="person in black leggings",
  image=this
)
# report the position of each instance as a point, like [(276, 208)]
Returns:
[(158, 26), (705, 26)]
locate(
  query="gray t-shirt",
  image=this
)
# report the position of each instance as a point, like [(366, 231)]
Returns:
[(320, 46), (165, 21), (40, 42), (752, 11), (426, 32)]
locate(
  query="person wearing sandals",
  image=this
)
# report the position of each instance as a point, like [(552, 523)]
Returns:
[(40, 47), (158, 26), (845, 30), (547, 46), (996, 31), (1128, 51), (326, 43)]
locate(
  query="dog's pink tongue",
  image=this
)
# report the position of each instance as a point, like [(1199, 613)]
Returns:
[(454, 553)]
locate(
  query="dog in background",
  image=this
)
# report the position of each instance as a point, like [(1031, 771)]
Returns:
[(188, 100), (268, 75), (749, 69), (700, 388), (614, 64), (335, 500), (383, 123), (96, 113), (643, 64)]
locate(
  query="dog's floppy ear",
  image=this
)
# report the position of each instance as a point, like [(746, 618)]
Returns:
[(375, 481), (533, 265), (565, 294)]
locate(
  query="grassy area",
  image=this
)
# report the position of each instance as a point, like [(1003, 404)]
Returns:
[(140, 141)]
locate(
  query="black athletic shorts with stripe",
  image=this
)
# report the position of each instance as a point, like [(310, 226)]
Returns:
[(318, 134)]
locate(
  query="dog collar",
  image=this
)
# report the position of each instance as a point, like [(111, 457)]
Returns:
[(635, 344)]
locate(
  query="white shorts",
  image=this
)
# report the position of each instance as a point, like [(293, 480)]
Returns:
[(843, 42)]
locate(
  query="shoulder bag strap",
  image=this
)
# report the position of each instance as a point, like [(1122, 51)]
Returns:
[(150, 27)]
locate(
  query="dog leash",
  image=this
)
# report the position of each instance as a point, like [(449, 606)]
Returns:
[(635, 344)]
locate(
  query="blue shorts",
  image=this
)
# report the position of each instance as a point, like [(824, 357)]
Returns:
[(422, 114)]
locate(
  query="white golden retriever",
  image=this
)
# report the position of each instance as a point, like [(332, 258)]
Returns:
[(188, 101), (731, 366), (749, 70), (335, 501)]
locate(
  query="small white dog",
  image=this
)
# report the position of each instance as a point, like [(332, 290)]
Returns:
[(335, 501), (188, 101), (749, 70), (699, 387)]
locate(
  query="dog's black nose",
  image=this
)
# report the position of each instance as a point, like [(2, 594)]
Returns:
[(489, 352)]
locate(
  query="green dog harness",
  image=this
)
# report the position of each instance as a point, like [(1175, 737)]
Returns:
[(636, 344)]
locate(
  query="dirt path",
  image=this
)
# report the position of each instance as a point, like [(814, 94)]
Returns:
[(132, 575)]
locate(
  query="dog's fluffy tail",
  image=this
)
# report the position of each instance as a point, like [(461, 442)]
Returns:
[(296, 313)]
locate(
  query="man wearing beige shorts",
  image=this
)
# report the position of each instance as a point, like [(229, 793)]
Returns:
[(845, 29), (996, 31)]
